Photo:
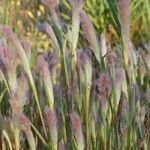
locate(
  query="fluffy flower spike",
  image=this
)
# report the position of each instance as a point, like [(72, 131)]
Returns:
[(52, 124), (45, 74), (90, 34), (77, 128)]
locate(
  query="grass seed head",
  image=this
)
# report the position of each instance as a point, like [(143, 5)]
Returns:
[(77, 128), (52, 124), (47, 29), (90, 34), (19, 96), (52, 4)]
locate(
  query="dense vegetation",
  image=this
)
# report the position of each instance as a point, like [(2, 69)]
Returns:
[(76, 80)]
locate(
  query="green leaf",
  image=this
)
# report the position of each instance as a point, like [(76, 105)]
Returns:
[(114, 13)]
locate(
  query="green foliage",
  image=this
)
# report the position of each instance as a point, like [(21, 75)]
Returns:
[(66, 88)]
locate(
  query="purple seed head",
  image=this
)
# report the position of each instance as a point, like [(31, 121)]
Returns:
[(24, 122), (51, 118), (53, 60), (52, 4), (8, 33), (43, 67), (19, 96), (120, 76), (77, 128), (90, 34), (52, 124), (84, 66), (8, 57), (76, 122), (47, 29), (103, 85)]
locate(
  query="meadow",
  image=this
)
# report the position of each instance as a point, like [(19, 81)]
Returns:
[(74, 75)]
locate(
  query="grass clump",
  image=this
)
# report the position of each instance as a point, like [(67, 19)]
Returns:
[(82, 93)]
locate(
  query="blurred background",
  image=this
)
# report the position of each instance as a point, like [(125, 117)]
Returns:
[(24, 15)]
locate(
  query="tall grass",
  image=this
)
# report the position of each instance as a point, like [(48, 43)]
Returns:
[(82, 93)]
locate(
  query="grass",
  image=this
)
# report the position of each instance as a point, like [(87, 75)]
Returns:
[(83, 92)]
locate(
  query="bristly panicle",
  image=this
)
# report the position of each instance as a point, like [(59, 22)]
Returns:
[(23, 87), (17, 101), (8, 57), (119, 80), (90, 34), (43, 67), (103, 85), (111, 58), (8, 63), (27, 46), (19, 96), (12, 38), (52, 60), (24, 125), (52, 124), (77, 128), (103, 88), (51, 117), (85, 59), (45, 74), (54, 65), (52, 4), (54, 11), (84, 68), (123, 109), (8, 33), (47, 29)]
